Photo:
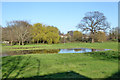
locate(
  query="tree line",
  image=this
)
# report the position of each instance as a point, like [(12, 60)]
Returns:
[(97, 25), (21, 32), (100, 36)]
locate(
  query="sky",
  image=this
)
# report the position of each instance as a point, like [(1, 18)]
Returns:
[(63, 15)]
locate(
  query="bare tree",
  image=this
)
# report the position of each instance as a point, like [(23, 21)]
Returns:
[(8, 34), (113, 34), (93, 22), (21, 30)]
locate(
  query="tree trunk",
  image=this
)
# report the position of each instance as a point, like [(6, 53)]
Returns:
[(64, 40), (92, 40), (93, 37), (11, 43), (22, 42), (70, 39), (37, 42), (19, 42), (43, 42)]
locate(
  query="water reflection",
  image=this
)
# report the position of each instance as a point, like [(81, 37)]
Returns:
[(49, 51)]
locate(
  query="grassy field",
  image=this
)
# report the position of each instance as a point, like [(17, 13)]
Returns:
[(103, 64), (105, 45), (56, 65)]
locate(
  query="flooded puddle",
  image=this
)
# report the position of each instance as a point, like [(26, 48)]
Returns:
[(49, 51), (80, 50)]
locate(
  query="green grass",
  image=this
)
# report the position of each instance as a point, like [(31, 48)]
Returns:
[(46, 64), (103, 64), (105, 45)]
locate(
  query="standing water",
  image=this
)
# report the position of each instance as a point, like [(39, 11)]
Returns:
[(49, 51)]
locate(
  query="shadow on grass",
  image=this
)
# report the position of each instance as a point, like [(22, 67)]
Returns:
[(12, 59), (66, 76), (56, 76), (13, 67), (115, 76), (38, 71), (23, 66), (104, 55)]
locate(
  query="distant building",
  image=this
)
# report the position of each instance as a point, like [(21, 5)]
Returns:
[(6, 42), (63, 36), (66, 35), (85, 36)]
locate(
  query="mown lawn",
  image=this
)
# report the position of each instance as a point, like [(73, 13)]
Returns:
[(59, 66), (103, 64), (105, 45)]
